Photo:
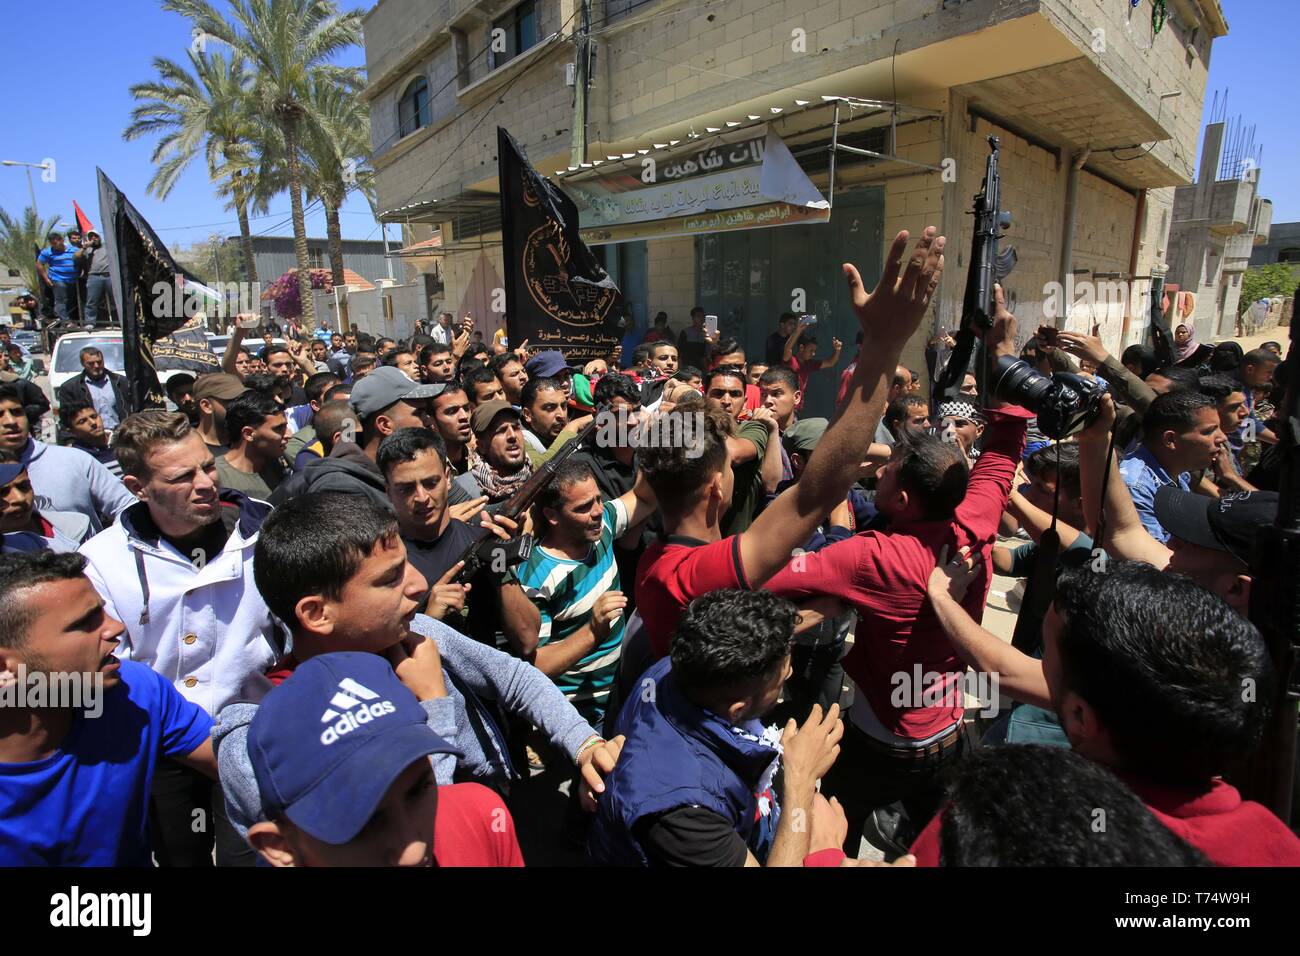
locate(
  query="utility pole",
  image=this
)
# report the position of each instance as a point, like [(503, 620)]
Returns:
[(581, 82)]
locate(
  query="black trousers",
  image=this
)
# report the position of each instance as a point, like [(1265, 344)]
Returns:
[(187, 819), (864, 779)]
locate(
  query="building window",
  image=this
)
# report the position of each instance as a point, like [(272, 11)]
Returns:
[(512, 34), (413, 108), (1286, 255)]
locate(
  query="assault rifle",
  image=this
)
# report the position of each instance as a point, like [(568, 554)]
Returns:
[(1275, 604), (487, 549), (988, 267)]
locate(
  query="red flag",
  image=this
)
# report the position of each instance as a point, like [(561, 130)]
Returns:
[(83, 221)]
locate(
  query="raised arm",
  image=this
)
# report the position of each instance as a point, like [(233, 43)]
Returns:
[(1125, 537), (791, 341), (1020, 675), (888, 317), (1004, 440), (232, 347)]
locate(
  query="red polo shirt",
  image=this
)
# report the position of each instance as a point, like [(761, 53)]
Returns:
[(474, 828), (884, 575), (675, 571), (1230, 831)]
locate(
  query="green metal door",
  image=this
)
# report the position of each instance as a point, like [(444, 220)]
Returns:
[(749, 278)]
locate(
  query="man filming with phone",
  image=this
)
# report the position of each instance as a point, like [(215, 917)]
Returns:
[(800, 352)]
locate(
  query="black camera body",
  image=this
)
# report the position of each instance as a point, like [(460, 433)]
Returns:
[(1065, 403)]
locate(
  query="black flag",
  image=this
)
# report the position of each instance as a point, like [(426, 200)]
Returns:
[(148, 291), (557, 294)]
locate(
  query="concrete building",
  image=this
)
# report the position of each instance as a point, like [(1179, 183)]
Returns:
[(1283, 245), (274, 256), (1098, 114), (1217, 223)]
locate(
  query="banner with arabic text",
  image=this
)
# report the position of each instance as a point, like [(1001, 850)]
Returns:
[(747, 184)]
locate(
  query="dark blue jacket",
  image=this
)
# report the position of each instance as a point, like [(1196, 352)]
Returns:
[(677, 755)]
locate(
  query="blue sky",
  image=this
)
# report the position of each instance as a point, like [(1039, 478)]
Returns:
[(106, 45)]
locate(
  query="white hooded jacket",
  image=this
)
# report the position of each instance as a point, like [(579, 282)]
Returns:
[(205, 628)]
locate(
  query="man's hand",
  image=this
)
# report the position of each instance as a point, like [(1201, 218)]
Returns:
[(446, 597), (1101, 426), (830, 825), (890, 315), (1082, 346), (576, 425), (595, 764), (675, 390), (467, 509), (765, 416), (952, 579), (810, 751), (418, 666), (836, 345), (501, 526), (814, 611), (607, 609), (1001, 339)]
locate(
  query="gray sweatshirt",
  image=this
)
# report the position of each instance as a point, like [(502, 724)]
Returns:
[(477, 677), (65, 479)]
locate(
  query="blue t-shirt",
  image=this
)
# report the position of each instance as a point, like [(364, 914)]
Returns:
[(60, 265), (87, 804)]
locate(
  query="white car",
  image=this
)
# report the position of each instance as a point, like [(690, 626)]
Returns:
[(65, 362)]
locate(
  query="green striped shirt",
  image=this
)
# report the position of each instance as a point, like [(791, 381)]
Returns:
[(564, 591)]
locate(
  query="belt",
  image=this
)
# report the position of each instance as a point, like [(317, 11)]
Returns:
[(914, 754)]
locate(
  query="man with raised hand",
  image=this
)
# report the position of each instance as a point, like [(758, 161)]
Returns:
[(693, 482), (905, 725)]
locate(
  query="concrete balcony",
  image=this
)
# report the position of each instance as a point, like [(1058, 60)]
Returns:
[(1230, 206), (1238, 248)]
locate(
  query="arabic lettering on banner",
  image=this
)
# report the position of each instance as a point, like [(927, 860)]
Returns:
[(186, 350), (744, 153), (557, 293), (727, 190), (749, 217)]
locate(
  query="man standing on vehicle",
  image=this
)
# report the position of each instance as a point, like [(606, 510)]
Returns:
[(58, 269), (106, 390)]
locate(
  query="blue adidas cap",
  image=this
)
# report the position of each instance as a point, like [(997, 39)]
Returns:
[(328, 743)]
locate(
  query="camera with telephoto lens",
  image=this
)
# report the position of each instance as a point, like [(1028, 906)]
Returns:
[(1065, 403)]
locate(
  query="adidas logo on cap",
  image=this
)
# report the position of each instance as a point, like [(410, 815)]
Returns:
[(351, 698)]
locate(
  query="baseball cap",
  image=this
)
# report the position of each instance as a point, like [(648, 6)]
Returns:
[(386, 386), (802, 437), (482, 416), (546, 365), (219, 385), (328, 743), (1228, 523)]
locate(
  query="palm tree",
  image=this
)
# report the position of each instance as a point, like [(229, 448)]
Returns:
[(204, 109), (20, 238), (290, 43), (335, 142)]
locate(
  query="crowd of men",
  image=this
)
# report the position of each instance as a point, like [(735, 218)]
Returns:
[(75, 284), (324, 625)]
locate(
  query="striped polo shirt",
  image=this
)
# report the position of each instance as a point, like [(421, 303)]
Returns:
[(564, 592)]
